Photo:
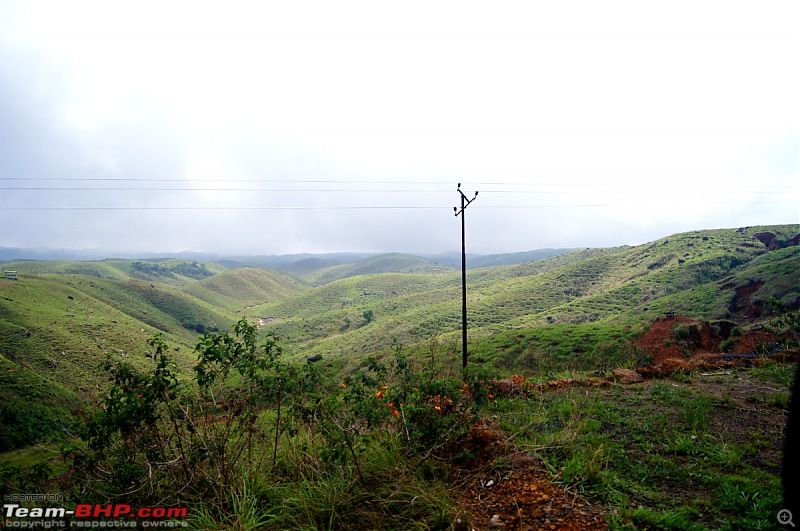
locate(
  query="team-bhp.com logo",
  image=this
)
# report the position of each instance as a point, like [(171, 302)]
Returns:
[(87, 515)]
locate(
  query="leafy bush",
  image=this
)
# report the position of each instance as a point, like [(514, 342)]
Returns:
[(193, 270), (728, 345), (724, 328), (155, 435), (785, 323), (686, 331)]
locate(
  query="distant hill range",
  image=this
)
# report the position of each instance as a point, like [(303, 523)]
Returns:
[(488, 260), (303, 263)]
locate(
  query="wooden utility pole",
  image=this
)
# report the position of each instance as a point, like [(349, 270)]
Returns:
[(464, 204)]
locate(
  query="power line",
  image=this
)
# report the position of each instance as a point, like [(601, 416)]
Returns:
[(368, 207), (353, 207), (225, 179), (292, 190), (549, 182), (323, 190)]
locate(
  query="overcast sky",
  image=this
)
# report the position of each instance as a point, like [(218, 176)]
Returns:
[(313, 126)]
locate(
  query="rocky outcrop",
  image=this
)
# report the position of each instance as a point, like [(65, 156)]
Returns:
[(627, 376), (769, 240), (772, 243)]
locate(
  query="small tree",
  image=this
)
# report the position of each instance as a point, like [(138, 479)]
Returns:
[(369, 316)]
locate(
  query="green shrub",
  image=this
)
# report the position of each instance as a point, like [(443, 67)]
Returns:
[(724, 328), (686, 331), (728, 345), (154, 434)]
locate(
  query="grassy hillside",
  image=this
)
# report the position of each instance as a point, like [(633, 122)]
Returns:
[(697, 274), (284, 262), (174, 272), (110, 269), (309, 265), (332, 317), (63, 320), (53, 336), (242, 288), (489, 260), (60, 320), (385, 263), (701, 273)]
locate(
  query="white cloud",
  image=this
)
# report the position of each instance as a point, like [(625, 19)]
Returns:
[(678, 115)]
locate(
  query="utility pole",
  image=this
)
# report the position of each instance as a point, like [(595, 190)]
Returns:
[(464, 204)]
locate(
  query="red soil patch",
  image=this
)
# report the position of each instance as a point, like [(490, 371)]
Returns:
[(742, 300), (749, 341), (661, 342), (698, 348), (520, 386), (518, 496)]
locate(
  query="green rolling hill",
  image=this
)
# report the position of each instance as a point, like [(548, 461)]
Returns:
[(54, 333), (477, 261), (173, 272), (60, 320), (384, 263), (243, 288)]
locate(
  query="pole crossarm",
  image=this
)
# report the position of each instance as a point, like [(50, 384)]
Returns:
[(465, 202)]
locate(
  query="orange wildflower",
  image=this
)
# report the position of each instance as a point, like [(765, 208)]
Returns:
[(380, 394), (395, 413), (342, 385)]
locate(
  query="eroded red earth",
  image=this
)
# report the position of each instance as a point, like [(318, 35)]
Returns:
[(679, 344)]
